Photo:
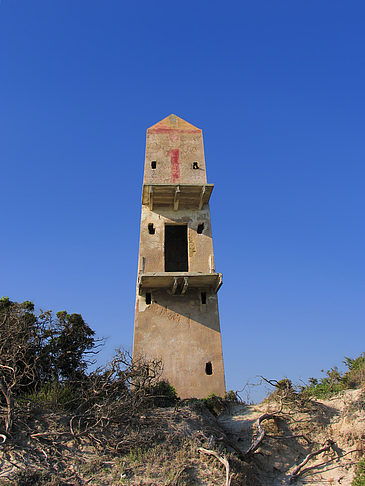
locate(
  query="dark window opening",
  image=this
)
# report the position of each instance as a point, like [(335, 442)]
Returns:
[(200, 228), (204, 297), (151, 229), (195, 165), (208, 368), (148, 298), (176, 248), (153, 164)]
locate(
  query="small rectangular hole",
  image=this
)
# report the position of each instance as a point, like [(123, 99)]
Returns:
[(208, 368), (203, 296), (153, 164), (148, 298), (200, 228), (151, 229), (195, 165)]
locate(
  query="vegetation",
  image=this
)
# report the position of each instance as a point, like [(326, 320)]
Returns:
[(334, 381), (48, 395), (40, 352), (62, 423), (359, 479)]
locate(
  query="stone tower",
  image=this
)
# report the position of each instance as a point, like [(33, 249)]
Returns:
[(177, 317)]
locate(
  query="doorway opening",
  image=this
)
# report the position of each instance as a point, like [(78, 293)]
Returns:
[(176, 248)]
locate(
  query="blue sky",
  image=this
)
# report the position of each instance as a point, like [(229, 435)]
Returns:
[(278, 89)]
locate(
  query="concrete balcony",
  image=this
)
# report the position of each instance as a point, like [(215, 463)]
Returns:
[(179, 282), (175, 196)]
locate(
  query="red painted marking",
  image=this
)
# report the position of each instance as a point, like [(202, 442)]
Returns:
[(174, 137), (169, 130), (175, 168)]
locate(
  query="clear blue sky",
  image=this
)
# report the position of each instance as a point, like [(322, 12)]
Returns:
[(278, 89)]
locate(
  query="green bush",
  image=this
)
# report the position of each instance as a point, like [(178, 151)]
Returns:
[(359, 479), (231, 396), (55, 396), (335, 381), (355, 376), (324, 390), (284, 385), (214, 404), (164, 394)]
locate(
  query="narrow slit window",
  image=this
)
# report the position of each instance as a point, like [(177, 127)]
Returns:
[(200, 228), (153, 164), (148, 298), (203, 296), (195, 165), (151, 229), (208, 368)]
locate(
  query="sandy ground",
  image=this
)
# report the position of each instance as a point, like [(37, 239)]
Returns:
[(341, 419)]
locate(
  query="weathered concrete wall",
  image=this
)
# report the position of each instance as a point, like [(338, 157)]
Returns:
[(178, 329), (200, 246), (174, 145), (185, 335)]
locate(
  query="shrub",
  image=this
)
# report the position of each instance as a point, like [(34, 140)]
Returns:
[(335, 381), (164, 394), (359, 479), (355, 376), (54, 396), (214, 404), (323, 390), (231, 396), (284, 385)]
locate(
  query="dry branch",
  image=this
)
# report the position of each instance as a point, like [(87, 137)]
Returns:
[(294, 436), (223, 460), (255, 444), (297, 471), (266, 416)]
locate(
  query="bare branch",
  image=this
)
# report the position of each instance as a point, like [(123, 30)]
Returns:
[(297, 471), (223, 460)]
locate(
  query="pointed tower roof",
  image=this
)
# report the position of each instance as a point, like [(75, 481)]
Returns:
[(173, 123)]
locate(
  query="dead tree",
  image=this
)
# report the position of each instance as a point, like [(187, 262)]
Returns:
[(18, 359)]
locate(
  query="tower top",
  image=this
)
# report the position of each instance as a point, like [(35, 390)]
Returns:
[(173, 123), (174, 153)]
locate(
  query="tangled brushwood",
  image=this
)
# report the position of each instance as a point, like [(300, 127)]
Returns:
[(48, 398), (64, 425), (121, 424)]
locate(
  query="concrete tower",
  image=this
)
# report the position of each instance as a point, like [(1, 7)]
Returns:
[(177, 317)]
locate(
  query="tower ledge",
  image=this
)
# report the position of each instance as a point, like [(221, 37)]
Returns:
[(179, 280), (191, 196)]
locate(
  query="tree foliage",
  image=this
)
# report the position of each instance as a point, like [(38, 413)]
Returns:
[(38, 350), (44, 360)]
